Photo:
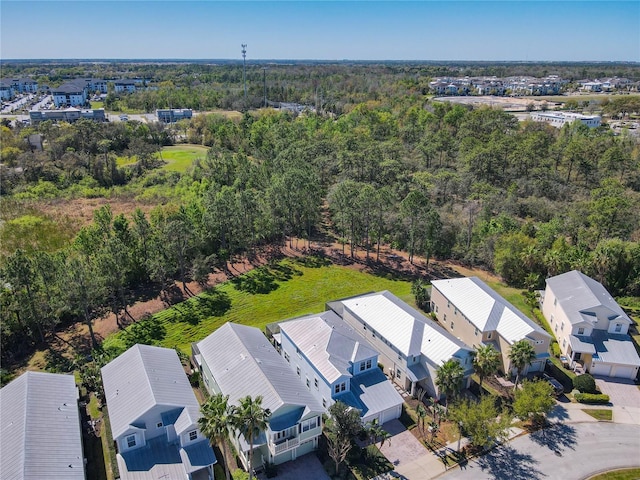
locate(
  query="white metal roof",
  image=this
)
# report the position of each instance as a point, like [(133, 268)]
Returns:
[(577, 293), (243, 362), (486, 309), (40, 434), (328, 342), (405, 328), (143, 377)]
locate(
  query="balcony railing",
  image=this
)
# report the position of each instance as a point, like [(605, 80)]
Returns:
[(283, 445)]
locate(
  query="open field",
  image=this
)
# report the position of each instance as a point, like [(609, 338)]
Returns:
[(265, 295), (97, 105), (180, 157)]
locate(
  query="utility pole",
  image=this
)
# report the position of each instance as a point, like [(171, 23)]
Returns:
[(244, 70), (264, 84)]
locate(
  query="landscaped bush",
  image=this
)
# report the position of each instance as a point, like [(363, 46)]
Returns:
[(592, 398), (555, 349), (585, 383)]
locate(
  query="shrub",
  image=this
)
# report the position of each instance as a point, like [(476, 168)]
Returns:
[(585, 383), (592, 398), (555, 349)]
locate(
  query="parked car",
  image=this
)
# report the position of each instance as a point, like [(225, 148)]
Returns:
[(558, 389), (565, 361)]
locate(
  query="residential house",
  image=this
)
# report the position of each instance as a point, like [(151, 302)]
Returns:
[(411, 347), (336, 363), (154, 417), (478, 315), (40, 435), (238, 361), (590, 326)]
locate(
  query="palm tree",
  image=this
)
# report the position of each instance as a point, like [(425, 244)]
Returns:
[(485, 362), (251, 420), (521, 355), (214, 423), (449, 378)]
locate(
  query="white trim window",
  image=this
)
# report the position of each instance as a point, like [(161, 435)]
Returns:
[(193, 435), (131, 441), (310, 424), (340, 387)]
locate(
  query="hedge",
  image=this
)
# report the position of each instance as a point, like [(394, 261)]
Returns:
[(585, 383), (592, 398)]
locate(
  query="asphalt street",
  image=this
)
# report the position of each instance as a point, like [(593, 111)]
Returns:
[(567, 451)]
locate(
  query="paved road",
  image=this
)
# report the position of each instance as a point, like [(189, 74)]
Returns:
[(568, 451)]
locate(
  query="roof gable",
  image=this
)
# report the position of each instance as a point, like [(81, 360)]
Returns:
[(243, 362), (579, 295), (142, 378), (486, 309)]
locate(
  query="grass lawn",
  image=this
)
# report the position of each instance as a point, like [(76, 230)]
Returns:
[(276, 292), (95, 105), (124, 161), (180, 157), (623, 474), (599, 413)]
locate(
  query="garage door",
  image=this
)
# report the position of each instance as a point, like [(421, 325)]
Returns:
[(537, 366), (305, 447), (623, 372), (389, 414), (600, 369)]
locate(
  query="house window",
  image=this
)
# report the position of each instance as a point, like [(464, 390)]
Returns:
[(562, 326), (131, 441), (451, 325), (324, 402), (310, 424), (555, 301), (581, 331), (286, 357), (455, 311), (193, 434), (159, 425), (618, 328), (564, 343), (369, 364), (298, 352), (476, 332), (340, 387), (556, 329), (308, 383), (489, 336), (552, 318), (445, 318), (315, 383), (398, 373), (298, 370)]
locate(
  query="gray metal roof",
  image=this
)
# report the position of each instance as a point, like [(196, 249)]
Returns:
[(143, 377), (374, 393), (40, 434), (243, 362), (578, 294), (328, 342), (405, 328), (486, 309), (614, 348)]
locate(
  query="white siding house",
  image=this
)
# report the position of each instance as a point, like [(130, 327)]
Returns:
[(238, 361), (335, 363), (478, 315), (154, 417), (411, 347), (40, 434), (590, 326)]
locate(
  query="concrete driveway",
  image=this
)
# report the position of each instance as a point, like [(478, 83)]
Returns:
[(308, 467), (569, 451), (623, 393)]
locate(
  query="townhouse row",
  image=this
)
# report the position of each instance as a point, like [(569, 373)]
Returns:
[(353, 352)]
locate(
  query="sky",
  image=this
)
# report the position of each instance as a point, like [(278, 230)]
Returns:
[(503, 30)]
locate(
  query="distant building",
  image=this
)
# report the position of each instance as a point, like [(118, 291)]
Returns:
[(67, 115), (70, 94), (97, 85), (126, 85), (558, 119), (172, 115), (7, 91), (24, 85)]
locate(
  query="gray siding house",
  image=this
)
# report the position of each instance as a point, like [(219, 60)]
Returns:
[(40, 434), (237, 360), (154, 417)]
